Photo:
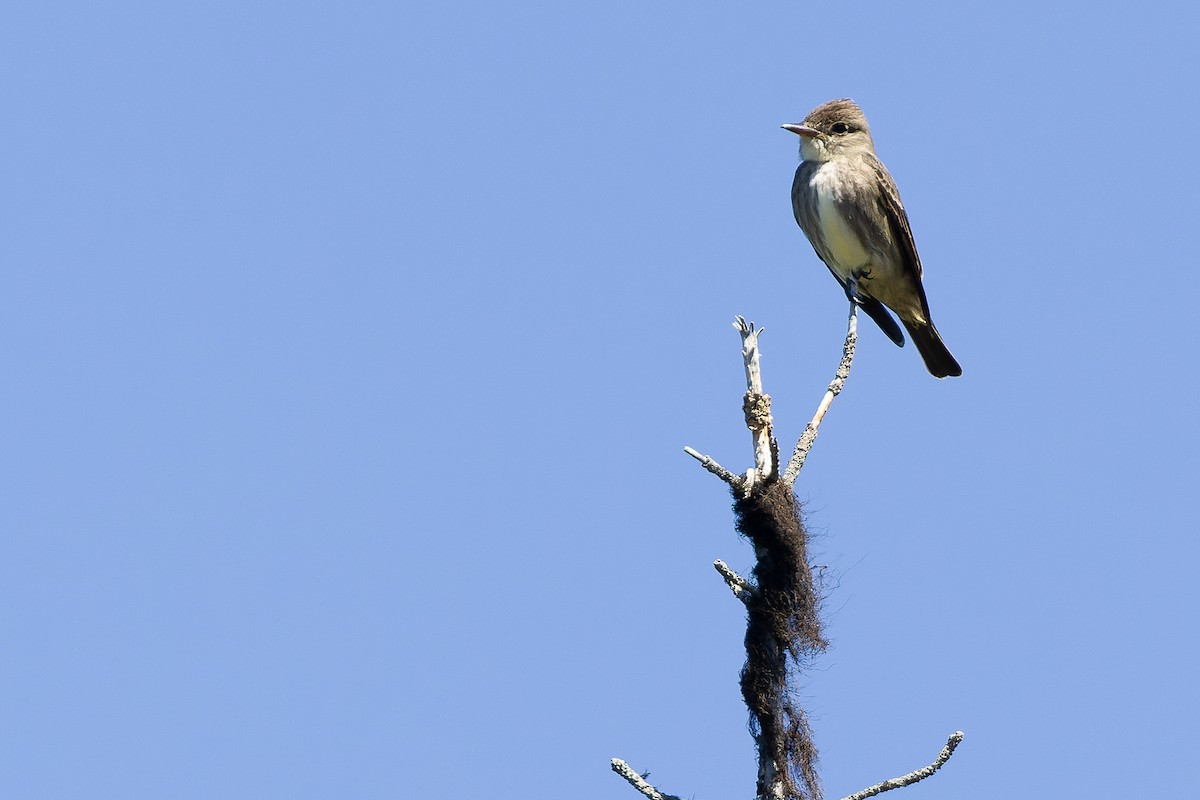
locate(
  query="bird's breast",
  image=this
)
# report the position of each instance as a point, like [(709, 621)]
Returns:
[(846, 252)]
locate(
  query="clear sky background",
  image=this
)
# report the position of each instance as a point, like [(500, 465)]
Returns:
[(349, 351)]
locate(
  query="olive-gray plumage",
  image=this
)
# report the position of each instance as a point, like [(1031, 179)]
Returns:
[(847, 204)]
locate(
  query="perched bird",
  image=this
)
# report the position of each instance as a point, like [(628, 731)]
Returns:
[(846, 203)]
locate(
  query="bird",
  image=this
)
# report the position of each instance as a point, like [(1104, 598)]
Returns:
[(847, 204)]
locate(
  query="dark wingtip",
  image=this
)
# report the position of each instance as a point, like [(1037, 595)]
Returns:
[(883, 319)]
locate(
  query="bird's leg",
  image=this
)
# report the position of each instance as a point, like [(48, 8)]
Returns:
[(855, 294)]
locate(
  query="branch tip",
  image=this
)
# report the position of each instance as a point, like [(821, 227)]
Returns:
[(914, 776), (742, 589), (710, 464), (638, 782)]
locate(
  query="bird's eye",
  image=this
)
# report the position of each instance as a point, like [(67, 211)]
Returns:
[(840, 127)]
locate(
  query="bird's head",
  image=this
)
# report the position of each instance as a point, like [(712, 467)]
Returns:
[(837, 128)]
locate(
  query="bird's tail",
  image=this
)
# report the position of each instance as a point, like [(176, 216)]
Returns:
[(938, 359)]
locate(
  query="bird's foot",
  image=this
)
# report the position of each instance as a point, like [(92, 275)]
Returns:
[(853, 292)]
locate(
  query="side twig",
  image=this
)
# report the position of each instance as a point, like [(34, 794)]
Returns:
[(915, 775), (638, 782), (835, 387), (710, 464), (742, 589)]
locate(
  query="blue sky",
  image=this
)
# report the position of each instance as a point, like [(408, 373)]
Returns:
[(350, 351)]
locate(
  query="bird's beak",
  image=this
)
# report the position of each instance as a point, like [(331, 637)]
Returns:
[(802, 130)]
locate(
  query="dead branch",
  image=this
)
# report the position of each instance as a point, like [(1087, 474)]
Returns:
[(742, 589), (805, 443), (638, 782), (783, 629), (756, 405), (737, 482), (914, 776)]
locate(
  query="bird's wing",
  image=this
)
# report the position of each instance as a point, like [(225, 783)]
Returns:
[(897, 220), (876, 311)]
